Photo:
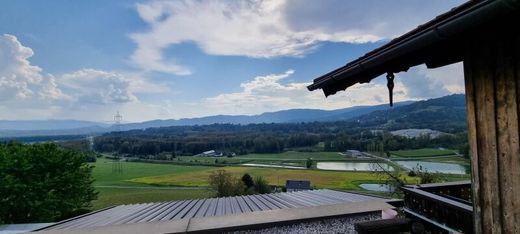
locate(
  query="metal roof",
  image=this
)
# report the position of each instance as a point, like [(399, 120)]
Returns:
[(436, 43), (185, 209)]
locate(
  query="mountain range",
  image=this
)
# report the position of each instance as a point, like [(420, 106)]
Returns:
[(452, 106)]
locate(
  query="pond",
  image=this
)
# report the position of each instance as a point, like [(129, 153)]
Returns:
[(378, 187), (448, 168), (352, 166), (270, 165)]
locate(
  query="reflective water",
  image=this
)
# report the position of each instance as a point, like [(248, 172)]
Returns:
[(269, 165), (448, 168), (353, 166), (378, 187)]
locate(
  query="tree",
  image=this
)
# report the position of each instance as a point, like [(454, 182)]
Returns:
[(308, 163), (43, 183), (225, 184), (248, 181), (261, 185)]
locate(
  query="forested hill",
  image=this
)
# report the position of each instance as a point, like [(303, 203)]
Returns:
[(446, 114)]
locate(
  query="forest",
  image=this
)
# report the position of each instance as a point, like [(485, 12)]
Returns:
[(264, 138)]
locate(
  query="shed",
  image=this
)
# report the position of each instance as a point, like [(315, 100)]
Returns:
[(297, 185), (484, 35)]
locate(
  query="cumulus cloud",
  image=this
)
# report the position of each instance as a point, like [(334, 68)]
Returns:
[(422, 82), (27, 92), (269, 28), (19, 79), (99, 87), (271, 93)]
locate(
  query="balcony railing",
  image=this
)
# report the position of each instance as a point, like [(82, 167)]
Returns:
[(443, 207)]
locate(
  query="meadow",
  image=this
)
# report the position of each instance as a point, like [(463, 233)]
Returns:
[(347, 180), (187, 177), (426, 152), (114, 188)]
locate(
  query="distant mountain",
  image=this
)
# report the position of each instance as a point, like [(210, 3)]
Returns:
[(284, 116), (13, 128), (446, 114), (23, 125)]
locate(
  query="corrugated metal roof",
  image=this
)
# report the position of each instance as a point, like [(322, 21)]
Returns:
[(184, 209)]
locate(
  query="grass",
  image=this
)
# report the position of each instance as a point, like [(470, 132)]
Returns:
[(124, 192), (118, 196), (292, 155), (104, 175), (318, 178), (292, 158), (142, 182), (418, 153)]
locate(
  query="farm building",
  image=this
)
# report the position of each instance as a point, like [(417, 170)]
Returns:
[(414, 133), (485, 37), (297, 212), (355, 153), (297, 185), (210, 153)]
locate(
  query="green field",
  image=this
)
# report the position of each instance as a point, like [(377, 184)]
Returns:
[(114, 187), (319, 178), (292, 155), (418, 153), (104, 175), (140, 182), (287, 158)]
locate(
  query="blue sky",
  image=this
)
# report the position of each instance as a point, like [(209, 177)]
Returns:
[(64, 59)]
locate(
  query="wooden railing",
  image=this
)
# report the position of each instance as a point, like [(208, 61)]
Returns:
[(444, 207)]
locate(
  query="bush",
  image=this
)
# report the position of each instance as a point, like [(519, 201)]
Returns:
[(308, 163), (225, 184), (248, 181), (43, 183), (261, 185)]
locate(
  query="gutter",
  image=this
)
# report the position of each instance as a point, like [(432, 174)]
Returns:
[(469, 16)]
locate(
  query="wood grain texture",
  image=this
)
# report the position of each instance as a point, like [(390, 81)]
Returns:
[(492, 80)]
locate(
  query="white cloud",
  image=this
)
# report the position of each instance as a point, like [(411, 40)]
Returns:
[(27, 93), (98, 87), (422, 82), (271, 93), (19, 80), (269, 28)]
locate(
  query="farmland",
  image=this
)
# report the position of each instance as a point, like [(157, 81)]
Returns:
[(419, 153), (319, 178), (186, 177)]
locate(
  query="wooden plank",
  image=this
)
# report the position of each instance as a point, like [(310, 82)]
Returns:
[(508, 146), (472, 139), (483, 76)]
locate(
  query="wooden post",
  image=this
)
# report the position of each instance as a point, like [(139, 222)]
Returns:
[(492, 78)]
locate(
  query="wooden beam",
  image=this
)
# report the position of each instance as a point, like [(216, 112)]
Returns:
[(492, 77)]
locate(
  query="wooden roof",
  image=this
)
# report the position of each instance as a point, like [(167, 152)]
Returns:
[(436, 43)]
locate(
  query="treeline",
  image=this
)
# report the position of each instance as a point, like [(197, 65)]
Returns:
[(262, 138)]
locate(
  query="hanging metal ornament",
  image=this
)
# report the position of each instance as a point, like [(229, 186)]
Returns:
[(390, 84)]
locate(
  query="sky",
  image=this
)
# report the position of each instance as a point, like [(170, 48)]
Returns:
[(85, 60)]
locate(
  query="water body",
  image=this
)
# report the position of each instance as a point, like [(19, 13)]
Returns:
[(353, 166), (448, 168), (269, 165), (378, 187)]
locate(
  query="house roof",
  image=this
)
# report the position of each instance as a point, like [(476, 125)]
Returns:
[(298, 184), (213, 207), (436, 43)]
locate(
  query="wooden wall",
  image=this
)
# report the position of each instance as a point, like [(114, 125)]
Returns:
[(492, 79)]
